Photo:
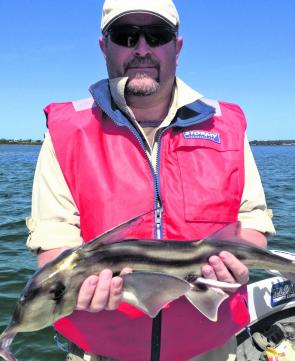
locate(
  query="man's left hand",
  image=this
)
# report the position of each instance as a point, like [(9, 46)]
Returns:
[(226, 268)]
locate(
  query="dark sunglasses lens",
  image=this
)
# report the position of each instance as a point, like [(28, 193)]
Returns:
[(158, 37), (129, 36), (125, 37)]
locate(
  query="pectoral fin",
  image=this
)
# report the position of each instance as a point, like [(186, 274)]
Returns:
[(150, 292), (207, 301)]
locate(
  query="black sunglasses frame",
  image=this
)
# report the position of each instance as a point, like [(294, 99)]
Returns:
[(155, 35)]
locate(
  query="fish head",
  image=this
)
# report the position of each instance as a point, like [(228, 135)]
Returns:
[(36, 308), (39, 304)]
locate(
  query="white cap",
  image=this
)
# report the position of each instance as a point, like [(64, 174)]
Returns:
[(114, 9)]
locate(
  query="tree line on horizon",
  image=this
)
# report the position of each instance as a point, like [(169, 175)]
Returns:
[(252, 142), (20, 141), (272, 142)]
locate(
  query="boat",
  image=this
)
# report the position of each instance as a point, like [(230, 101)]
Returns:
[(271, 332)]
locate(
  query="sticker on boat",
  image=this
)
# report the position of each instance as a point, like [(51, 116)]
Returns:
[(282, 292)]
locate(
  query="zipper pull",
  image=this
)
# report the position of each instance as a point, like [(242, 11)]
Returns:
[(159, 212)]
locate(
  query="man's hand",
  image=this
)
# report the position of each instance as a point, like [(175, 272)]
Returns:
[(98, 292), (226, 268), (102, 292)]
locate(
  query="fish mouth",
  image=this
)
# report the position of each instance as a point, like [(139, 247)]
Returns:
[(5, 342)]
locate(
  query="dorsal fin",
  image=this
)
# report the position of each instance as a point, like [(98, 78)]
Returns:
[(229, 232), (117, 233)]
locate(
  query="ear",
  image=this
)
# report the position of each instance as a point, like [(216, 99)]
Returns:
[(179, 43), (103, 46)]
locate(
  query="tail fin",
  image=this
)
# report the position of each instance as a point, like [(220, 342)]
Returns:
[(5, 341), (7, 355)]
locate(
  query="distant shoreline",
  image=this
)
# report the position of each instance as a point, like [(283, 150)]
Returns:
[(272, 142), (252, 142), (20, 142)]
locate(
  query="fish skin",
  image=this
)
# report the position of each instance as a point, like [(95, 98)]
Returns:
[(52, 291)]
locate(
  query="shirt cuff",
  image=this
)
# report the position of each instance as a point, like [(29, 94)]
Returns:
[(46, 235), (258, 219)]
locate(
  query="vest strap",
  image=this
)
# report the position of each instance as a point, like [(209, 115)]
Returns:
[(156, 337)]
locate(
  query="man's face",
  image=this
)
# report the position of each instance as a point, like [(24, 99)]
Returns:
[(149, 69)]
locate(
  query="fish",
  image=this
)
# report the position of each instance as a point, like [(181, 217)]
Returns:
[(162, 271)]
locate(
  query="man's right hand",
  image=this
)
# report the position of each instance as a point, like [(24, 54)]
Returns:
[(98, 292), (102, 292)]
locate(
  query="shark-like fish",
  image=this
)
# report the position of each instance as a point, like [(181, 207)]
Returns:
[(162, 272)]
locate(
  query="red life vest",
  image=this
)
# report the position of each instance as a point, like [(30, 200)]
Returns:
[(200, 179)]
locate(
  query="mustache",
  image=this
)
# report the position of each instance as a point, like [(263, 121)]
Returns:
[(142, 60)]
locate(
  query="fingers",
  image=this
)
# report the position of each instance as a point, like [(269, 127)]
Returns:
[(101, 292), (221, 271), (226, 268), (115, 294), (107, 294), (237, 268), (86, 292), (208, 272)]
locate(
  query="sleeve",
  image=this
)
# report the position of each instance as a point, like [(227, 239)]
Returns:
[(55, 219), (253, 212)]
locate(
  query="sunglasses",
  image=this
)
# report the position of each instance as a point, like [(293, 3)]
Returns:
[(128, 35)]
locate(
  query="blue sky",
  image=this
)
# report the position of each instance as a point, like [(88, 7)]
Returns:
[(240, 51)]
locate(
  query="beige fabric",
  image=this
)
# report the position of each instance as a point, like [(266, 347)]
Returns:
[(226, 352), (54, 212), (253, 212)]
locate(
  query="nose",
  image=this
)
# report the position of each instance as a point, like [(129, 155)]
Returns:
[(142, 48)]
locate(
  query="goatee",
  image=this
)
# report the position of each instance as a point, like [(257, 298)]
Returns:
[(142, 85)]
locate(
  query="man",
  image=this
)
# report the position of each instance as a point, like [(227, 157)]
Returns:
[(145, 139)]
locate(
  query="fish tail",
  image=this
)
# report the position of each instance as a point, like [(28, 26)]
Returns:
[(5, 353)]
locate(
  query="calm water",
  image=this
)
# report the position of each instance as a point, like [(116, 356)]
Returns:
[(17, 163)]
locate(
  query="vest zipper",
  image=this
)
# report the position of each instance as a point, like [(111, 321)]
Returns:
[(159, 212), (157, 198), (157, 166)]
